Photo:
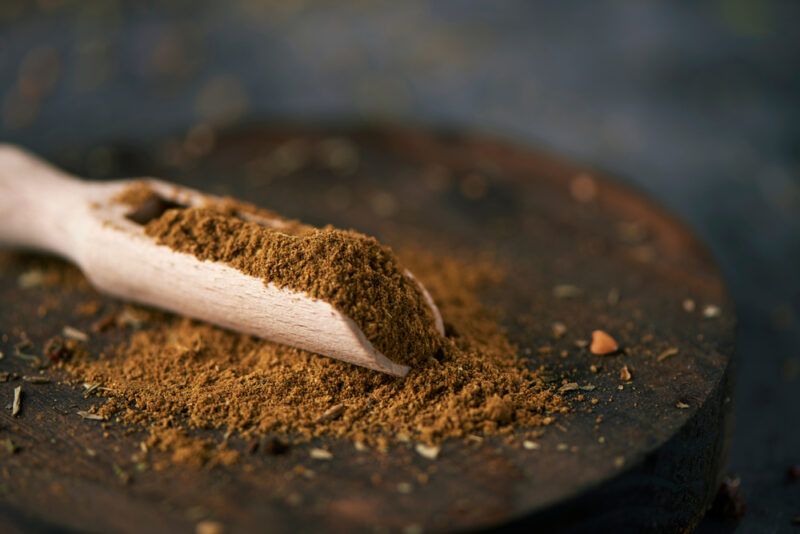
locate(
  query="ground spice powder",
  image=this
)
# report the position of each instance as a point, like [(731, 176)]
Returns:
[(175, 375), (353, 272)]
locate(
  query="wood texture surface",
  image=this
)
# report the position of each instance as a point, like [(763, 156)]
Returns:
[(653, 461)]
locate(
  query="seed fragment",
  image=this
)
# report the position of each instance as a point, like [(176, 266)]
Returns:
[(331, 413), (531, 445), (681, 405), (603, 343), (711, 311), (36, 379), (430, 452), (74, 333), (672, 351), (625, 374), (90, 416), (321, 454), (570, 386), (17, 404)]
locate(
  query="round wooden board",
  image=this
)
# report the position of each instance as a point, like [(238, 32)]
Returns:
[(647, 455)]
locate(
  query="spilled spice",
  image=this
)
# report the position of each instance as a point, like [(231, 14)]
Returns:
[(186, 450), (137, 195), (351, 271), (176, 374)]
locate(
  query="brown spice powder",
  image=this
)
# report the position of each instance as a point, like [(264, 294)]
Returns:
[(179, 374), (351, 271), (136, 195)]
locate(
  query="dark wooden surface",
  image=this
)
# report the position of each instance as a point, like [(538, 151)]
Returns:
[(657, 467), (696, 103)]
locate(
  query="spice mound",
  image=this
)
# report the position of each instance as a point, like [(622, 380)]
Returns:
[(351, 271), (177, 373)]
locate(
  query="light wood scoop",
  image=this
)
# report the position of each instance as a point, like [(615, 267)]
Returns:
[(44, 208)]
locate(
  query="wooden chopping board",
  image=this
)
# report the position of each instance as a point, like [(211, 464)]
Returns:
[(652, 461)]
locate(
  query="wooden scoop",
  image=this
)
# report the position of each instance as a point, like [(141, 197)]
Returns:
[(46, 209)]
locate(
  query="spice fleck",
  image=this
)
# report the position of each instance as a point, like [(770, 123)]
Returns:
[(603, 344), (36, 379), (570, 386), (625, 374), (427, 451), (90, 416), (672, 351), (17, 404), (331, 413), (321, 454), (74, 333)]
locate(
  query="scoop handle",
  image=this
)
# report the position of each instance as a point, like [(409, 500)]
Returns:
[(39, 204)]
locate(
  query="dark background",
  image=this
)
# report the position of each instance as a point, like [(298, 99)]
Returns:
[(697, 104)]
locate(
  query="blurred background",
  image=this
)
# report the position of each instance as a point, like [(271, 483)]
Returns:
[(695, 103)]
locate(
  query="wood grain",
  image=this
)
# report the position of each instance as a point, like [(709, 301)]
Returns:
[(645, 464)]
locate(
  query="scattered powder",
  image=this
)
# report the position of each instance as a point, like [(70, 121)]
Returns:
[(136, 195), (187, 450), (176, 375)]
